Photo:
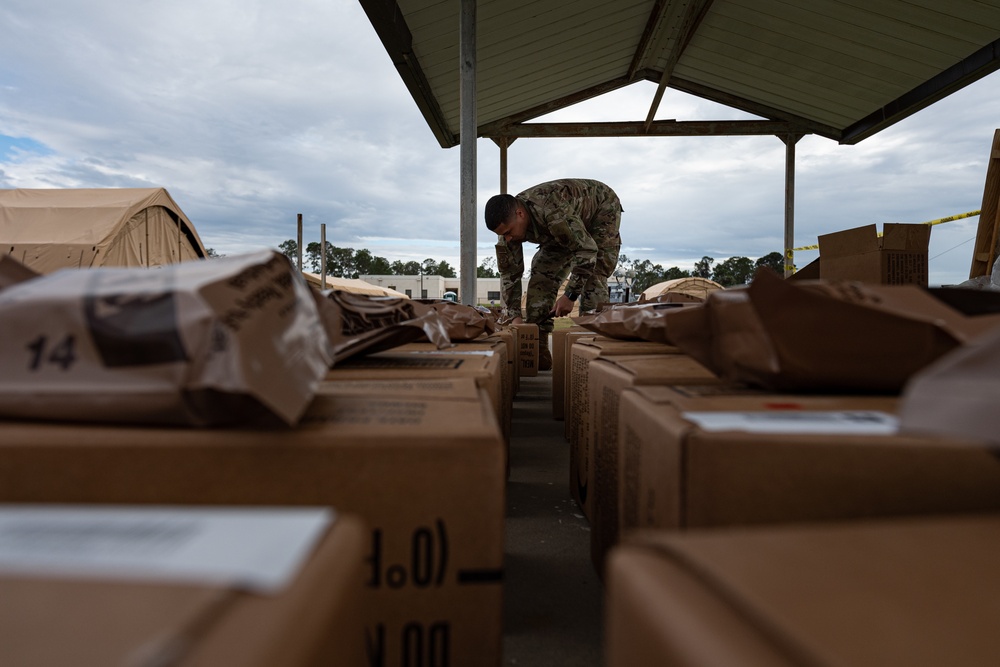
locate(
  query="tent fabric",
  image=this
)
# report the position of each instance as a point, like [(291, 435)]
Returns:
[(48, 229), (352, 285), (692, 286)]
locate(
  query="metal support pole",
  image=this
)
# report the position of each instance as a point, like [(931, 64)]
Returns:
[(790, 141), (322, 256), (468, 132), (299, 242), (504, 143)]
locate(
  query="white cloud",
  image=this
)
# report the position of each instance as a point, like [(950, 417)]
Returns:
[(252, 112)]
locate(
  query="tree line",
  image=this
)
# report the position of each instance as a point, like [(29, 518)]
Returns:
[(733, 271), (351, 263), (637, 273)]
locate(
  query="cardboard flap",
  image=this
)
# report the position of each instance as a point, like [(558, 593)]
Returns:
[(957, 395), (903, 236), (843, 340), (849, 242)]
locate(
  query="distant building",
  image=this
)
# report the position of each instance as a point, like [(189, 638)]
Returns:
[(434, 287)]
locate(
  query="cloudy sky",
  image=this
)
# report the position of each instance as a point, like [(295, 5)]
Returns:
[(251, 112)]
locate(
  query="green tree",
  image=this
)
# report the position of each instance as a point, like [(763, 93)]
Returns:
[(446, 270), (380, 267), (488, 269), (210, 253), (429, 267), (673, 273), (412, 268), (290, 249), (733, 271), (772, 260), (339, 261), (703, 268), (367, 264)]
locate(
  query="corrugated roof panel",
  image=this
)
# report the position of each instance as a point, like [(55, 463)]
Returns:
[(828, 60), (842, 68), (510, 49)]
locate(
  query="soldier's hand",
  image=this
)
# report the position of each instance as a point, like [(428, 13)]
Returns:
[(517, 320), (563, 306)]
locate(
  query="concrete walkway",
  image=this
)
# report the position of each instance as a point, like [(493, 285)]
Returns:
[(552, 596)]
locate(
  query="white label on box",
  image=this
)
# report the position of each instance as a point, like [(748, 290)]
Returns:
[(257, 548), (813, 422)]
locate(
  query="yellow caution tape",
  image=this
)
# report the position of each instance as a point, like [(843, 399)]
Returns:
[(939, 221)]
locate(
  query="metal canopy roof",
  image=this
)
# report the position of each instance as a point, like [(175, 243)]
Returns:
[(842, 69)]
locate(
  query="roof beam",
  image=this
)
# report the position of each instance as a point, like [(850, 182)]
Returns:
[(688, 26), (757, 109), (662, 128), (655, 19), (387, 19), (984, 61), (491, 129)]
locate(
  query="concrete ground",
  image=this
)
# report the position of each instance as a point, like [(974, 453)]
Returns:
[(552, 595)]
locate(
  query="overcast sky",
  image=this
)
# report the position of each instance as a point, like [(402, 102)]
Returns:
[(250, 112)]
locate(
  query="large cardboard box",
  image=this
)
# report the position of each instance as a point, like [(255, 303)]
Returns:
[(761, 458), (609, 376), (898, 257), (485, 366), (920, 593), (96, 621), (422, 466), (582, 352), (484, 347), (513, 357), (561, 340), (527, 343)]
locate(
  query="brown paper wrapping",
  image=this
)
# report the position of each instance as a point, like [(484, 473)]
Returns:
[(199, 343), (359, 324)]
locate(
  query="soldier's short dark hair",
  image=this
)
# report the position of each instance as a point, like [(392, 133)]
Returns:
[(498, 209)]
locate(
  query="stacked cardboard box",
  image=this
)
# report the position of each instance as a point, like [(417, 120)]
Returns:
[(609, 376), (562, 340), (714, 456), (905, 592), (896, 257), (527, 343), (582, 353), (422, 465), (95, 620)]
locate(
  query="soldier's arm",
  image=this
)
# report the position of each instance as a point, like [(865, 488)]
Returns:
[(510, 262)]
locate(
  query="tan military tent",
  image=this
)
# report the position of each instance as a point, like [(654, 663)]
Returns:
[(692, 286), (49, 230), (352, 285)]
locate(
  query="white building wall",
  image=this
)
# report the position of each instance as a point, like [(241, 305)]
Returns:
[(434, 287)]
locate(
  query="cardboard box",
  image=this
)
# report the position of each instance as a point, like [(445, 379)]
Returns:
[(423, 468), (917, 593), (582, 352), (609, 376), (513, 356), (561, 340), (485, 347), (96, 621), (567, 375), (402, 363), (527, 343), (898, 257), (676, 474)]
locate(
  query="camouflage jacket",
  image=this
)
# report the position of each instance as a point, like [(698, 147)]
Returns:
[(569, 213)]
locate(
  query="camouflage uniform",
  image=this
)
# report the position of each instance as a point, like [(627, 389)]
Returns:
[(575, 224)]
